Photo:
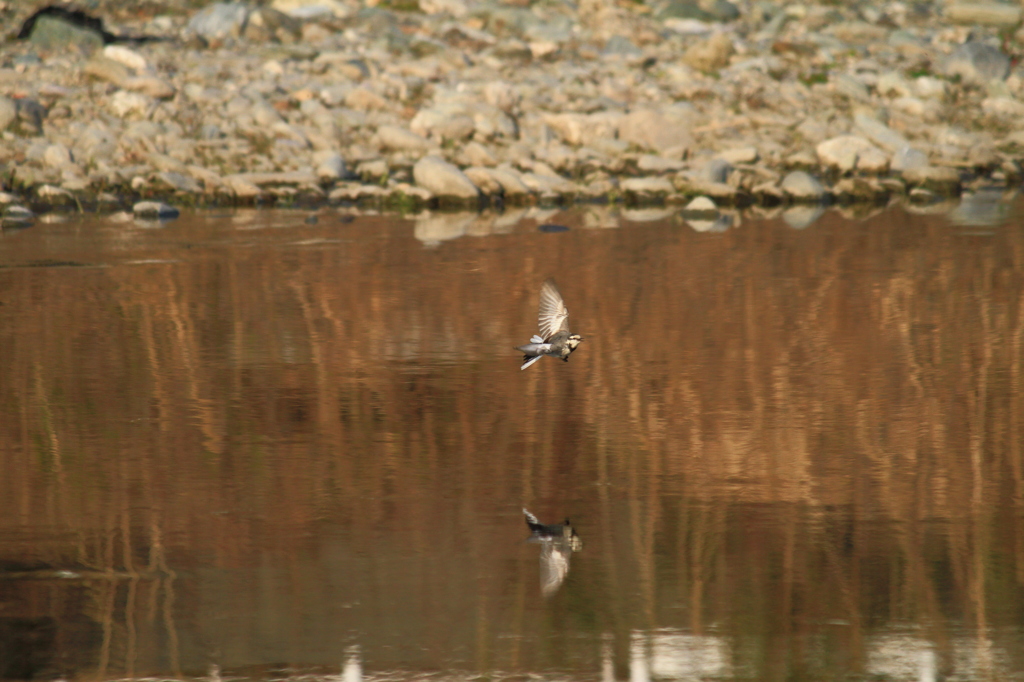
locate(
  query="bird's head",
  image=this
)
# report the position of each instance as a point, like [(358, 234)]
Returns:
[(573, 341)]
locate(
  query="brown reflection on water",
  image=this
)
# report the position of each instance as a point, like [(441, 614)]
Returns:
[(254, 442)]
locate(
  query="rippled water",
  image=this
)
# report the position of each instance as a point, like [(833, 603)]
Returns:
[(247, 445)]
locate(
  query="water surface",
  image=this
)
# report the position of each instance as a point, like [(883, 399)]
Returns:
[(247, 445)]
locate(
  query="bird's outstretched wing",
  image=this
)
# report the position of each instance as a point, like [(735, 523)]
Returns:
[(553, 316)]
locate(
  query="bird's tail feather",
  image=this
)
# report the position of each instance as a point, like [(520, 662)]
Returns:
[(529, 360)]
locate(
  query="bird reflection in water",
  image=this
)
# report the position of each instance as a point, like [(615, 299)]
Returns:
[(557, 543)]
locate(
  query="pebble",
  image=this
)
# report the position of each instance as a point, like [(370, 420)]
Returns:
[(802, 186), (155, 209), (443, 179)]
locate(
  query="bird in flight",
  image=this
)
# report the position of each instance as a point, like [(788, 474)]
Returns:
[(554, 339)]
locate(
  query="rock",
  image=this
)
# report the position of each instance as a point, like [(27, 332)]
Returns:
[(155, 209), (150, 86), (30, 115), (363, 99), (739, 155), (475, 154), (53, 32), (711, 54), (850, 86), (313, 9), (219, 21), (907, 158), (511, 182), (801, 186), (621, 46), (8, 112), (57, 155), (858, 189), (1003, 107), (847, 152), (329, 165), (125, 56), (930, 87), (976, 63), (267, 24), (501, 95), (443, 179), (178, 182), (482, 178), (716, 170), (700, 207), (878, 132), (456, 8), (400, 139), (104, 68), (986, 13), (125, 104), (658, 129), (652, 163), (651, 186), (939, 179)]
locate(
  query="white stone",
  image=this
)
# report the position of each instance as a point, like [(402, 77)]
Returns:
[(125, 103), (701, 205), (443, 178), (126, 56), (802, 186), (847, 152)]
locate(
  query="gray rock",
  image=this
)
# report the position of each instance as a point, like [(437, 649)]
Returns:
[(30, 115), (219, 21), (801, 186), (443, 179), (155, 209), (621, 46), (976, 63), (8, 112), (54, 33)]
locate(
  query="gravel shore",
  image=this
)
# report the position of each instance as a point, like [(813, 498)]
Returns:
[(465, 103)]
